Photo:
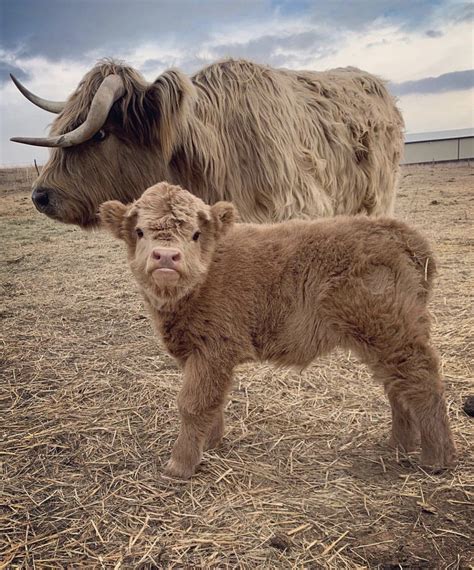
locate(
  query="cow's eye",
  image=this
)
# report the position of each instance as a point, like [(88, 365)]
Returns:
[(196, 235), (99, 135), (139, 232)]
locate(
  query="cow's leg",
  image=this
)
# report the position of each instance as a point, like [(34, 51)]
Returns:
[(200, 404)]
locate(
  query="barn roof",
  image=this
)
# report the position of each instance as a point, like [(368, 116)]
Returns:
[(439, 135)]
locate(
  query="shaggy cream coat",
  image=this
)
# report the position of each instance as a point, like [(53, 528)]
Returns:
[(279, 144)]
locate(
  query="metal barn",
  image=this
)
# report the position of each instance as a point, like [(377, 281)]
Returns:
[(439, 146)]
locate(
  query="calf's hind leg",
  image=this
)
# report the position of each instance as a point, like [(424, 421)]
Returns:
[(391, 334), (200, 404), (416, 393), (405, 432)]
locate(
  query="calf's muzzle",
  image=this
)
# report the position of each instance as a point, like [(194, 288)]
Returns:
[(166, 258)]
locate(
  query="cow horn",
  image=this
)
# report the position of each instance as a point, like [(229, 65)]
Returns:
[(111, 89), (51, 106)]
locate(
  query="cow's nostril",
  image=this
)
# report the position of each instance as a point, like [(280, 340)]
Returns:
[(40, 198), (176, 257)]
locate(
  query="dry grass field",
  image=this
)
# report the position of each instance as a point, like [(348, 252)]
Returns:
[(304, 479)]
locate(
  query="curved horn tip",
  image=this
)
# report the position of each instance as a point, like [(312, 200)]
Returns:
[(49, 142), (52, 106), (111, 89)]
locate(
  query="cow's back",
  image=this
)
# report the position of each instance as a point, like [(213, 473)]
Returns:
[(297, 143)]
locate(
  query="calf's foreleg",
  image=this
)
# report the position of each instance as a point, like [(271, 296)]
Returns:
[(216, 433), (200, 405)]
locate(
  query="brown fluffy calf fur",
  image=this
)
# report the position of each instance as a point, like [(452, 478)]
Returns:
[(222, 294)]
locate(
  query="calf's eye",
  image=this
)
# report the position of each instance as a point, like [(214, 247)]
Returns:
[(139, 232), (196, 236)]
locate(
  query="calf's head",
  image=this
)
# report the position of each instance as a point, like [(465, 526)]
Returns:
[(171, 236)]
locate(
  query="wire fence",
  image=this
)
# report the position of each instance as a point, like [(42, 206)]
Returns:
[(17, 177), (12, 165)]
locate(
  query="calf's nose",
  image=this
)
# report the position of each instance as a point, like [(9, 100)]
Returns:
[(167, 257), (40, 197)]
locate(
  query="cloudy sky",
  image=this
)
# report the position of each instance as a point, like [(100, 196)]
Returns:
[(423, 48)]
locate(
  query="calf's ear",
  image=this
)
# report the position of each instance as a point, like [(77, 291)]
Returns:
[(224, 215), (112, 215), (204, 217)]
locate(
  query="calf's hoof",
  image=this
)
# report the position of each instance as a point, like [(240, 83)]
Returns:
[(175, 470), (438, 462), (213, 442), (406, 446)]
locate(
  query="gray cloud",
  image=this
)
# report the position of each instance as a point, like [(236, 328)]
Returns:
[(151, 65), (463, 13), (434, 33), (455, 81), (7, 68), (61, 29), (354, 15), (278, 50), (188, 63)]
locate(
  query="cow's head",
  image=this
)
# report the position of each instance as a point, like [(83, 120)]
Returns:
[(114, 135), (171, 236)]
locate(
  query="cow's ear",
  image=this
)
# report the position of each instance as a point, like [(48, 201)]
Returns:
[(112, 216), (170, 99), (224, 215)]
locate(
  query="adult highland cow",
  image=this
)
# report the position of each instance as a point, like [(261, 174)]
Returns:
[(277, 143)]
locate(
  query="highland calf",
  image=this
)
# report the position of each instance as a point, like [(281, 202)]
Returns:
[(221, 294)]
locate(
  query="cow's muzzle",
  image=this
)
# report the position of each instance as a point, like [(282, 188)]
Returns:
[(41, 198)]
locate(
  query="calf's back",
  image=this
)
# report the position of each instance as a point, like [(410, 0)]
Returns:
[(289, 292)]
